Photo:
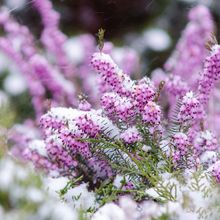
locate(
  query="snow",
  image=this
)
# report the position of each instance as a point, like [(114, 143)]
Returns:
[(80, 198), (70, 114), (157, 39), (39, 146), (74, 49), (15, 84), (15, 4), (109, 211)]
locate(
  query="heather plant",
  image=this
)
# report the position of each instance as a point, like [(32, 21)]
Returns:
[(138, 143)]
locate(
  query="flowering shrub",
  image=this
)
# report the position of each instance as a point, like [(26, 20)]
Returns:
[(121, 142)]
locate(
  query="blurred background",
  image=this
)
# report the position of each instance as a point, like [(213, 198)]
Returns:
[(149, 26), (152, 26)]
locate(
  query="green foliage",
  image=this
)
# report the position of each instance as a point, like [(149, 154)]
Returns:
[(23, 107), (162, 217), (70, 184), (5, 200), (167, 192), (7, 116), (142, 168)]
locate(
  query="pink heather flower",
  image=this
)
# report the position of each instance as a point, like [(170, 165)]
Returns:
[(18, 34), (102, 86), (87, 125), (190, 109), (39, 161), (124, 108), (142, 93), (205, 141), (84, 105), (210, 74), (151, 114), (49, 16), (176, 87), (73, 146), (216, 170), (49, 124), (187, 59), (108, 103), (63, 129), (131, 135), (19, 46), (100, 169), (111, 74), (60, 88), (117, 107), (52, 38), (198, 13), (130, 61), (128, 186), (35, 87), (60, 156), (157, 76), (180, 143)]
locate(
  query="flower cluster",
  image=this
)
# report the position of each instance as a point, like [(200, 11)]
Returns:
[(130, 99), (52, 38), (18, 44), (181, 144), (152, 113), (117, 107), (187, 60), (190, 110), (210, 74), (131, 135), (143, 92), (176, 87), (111, 74), (64, 131)]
